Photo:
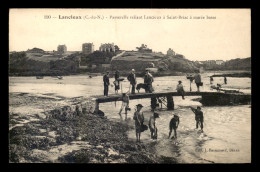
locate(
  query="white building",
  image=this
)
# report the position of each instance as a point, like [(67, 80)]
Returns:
[(107, 47), (219, 62)]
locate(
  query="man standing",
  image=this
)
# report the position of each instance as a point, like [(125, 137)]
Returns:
[(106, 83), (174, 123), (191, 79), (139, 119), (116, 82), (152, 127), (148, 80), (198, 117), (211, 79), (197, 78), (180, 89), (131, 77), (225, 80)]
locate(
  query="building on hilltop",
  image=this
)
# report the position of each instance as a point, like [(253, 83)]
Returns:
[(87, 48), (62, 49), (144, 49), (170, 52), (219, 62), (107, 47), (35, 50)]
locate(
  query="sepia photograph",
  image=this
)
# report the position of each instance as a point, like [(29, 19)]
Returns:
[(129, 86)]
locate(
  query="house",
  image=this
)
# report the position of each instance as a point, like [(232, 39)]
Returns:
[(62, 49), (219, 62), (107, 47), (87, 48)]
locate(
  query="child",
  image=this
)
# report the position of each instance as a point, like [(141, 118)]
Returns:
[(152, 127), (125, 104), (180, 89)]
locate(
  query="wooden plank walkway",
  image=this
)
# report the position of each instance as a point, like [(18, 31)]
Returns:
[(114, 97)]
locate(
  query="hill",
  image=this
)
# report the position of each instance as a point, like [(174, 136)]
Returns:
[(139, 61), (237, 64), (27, 64)]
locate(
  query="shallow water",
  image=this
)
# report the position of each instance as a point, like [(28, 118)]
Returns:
[(80, 85), (226, 127)]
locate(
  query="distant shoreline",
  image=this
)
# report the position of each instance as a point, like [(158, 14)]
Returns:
[(227, 73)]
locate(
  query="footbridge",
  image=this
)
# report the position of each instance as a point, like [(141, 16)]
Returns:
[(167, 98)]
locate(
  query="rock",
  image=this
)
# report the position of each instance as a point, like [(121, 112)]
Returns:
[(99, 146)]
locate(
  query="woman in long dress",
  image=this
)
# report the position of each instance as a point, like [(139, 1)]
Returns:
[(139, 119)]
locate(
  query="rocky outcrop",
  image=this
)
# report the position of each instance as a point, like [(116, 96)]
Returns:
[(139, 61)]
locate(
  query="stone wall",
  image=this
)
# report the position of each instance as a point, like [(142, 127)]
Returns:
[(226, 99)]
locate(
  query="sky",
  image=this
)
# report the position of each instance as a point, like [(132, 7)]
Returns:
[(222, 34)]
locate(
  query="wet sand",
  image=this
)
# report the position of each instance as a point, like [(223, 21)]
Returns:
[(94, 139), (85, 138)]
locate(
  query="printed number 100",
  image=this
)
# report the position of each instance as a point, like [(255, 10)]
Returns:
[(47, 16)]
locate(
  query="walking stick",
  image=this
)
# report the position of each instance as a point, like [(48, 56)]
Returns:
[(190, 86), (121, 88)]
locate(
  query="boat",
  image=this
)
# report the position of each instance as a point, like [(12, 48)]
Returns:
[(39, 77), (59, 77)]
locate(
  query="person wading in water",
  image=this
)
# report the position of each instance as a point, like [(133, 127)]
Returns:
[(225, 80), (198, 117), (174, 123), (125, 104), (152, 126), (211, 80), (139, 119)]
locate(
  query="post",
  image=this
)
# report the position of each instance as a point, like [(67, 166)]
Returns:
[(170, 102), (96, 107), (153, 103), (190, 85)]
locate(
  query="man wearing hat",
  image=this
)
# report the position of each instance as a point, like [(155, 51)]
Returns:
[(197, 79), (139, 119), (180, 89), (152, 127), (116, 82), (148, 80), (132, 78), (174, 123), (106, 83), (198, 117)]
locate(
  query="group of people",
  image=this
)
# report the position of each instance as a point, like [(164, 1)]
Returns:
[(196, 77), (107, 83), (218, 87), (211, 80), (138, 115), (173, 124), (148, 80)]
